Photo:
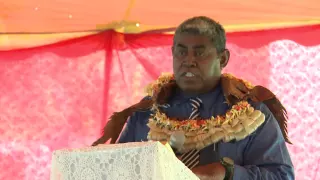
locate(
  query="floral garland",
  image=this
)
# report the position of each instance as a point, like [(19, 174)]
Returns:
[(203, 125), (239, 122), (153, 89)]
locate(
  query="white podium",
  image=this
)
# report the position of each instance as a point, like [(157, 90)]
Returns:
[(130, 161)]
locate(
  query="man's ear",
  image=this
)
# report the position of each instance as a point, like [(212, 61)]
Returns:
[(224, 58)]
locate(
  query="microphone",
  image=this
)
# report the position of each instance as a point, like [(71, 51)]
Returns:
[(177, 140)]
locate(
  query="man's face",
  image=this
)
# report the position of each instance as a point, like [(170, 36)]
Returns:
[(196, 63)]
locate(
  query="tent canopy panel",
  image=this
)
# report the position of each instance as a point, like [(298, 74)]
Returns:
[(69, 15)]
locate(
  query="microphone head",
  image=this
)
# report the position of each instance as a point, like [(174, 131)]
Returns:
[(177, 139)]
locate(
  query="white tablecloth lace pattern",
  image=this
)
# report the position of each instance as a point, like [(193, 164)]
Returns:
[(129, 161)]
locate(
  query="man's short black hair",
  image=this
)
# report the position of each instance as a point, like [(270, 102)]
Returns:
[(202, 25)]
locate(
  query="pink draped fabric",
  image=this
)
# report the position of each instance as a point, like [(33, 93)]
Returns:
[(59, 96)]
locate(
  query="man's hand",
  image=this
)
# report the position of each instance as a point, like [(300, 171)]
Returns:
[(214, 171)]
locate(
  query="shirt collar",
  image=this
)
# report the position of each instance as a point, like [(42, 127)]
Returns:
[(209, 98)]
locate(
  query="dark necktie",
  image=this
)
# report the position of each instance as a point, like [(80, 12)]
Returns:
[(191, 158)]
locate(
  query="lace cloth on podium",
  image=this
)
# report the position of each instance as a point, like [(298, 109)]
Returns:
[(134, 161)]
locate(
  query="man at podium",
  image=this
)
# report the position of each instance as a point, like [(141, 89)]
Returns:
[(221, 127)]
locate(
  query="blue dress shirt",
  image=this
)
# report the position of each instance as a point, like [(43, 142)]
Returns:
[(262, 155)]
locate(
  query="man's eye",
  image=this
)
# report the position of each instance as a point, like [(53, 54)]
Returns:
[(181, 53), (199, 54)]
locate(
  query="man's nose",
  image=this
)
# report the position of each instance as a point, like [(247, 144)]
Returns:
[(190, 60)]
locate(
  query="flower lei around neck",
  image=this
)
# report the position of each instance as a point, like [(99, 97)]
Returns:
[(238, 123)]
